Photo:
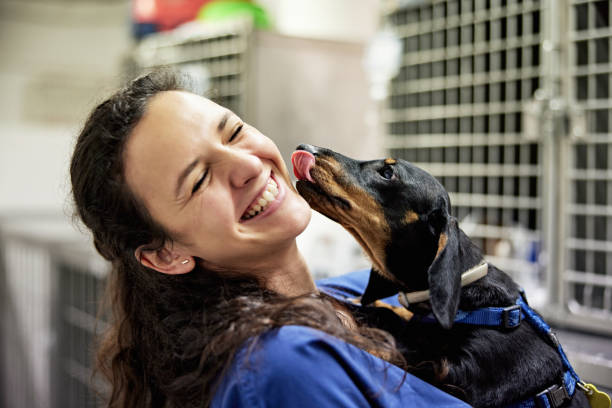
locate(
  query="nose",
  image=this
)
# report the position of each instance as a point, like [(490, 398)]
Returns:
[(308, 148), (317, 151), (243, 167), (347, 162)]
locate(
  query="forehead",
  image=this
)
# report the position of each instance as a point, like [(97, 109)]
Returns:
[(175, 108), (171, 119), (163, 141)]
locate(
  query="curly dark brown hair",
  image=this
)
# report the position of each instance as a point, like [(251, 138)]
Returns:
[(171, 338)]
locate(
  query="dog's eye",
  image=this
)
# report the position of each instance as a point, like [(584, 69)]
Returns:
[(386, 172)]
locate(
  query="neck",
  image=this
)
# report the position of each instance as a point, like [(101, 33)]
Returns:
[(286, 273)]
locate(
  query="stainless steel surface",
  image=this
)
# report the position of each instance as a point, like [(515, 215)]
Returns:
[(312, 91), (590, 355)]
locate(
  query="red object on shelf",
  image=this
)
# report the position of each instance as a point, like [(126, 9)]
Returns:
[(165, 14), (172, 13)]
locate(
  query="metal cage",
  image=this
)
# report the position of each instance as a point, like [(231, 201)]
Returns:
[(218, 54), (508, 104), (50, 282), (587, 276), (456, 109)]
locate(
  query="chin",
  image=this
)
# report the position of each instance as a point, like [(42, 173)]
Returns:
[(299, 215)]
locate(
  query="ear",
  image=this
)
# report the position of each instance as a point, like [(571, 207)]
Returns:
[(444, 274), (165, 260)]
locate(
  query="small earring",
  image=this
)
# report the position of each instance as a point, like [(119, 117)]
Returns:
[(185, 261)]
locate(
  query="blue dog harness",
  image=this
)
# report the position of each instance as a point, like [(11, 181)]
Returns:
[(505, 317), (509, 318), (556, 394)]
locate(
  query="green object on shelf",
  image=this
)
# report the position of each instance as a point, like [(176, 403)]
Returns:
[(222, 9)]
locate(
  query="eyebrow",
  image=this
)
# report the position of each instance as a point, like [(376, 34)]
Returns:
[(223, 121), (184, 174)]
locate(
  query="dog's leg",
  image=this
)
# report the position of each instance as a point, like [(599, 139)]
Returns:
[(400, 311)]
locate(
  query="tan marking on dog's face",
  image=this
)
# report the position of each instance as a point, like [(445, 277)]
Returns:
[(441, 243), (390, 161), (377, 257), (410, 217), (365, 219)]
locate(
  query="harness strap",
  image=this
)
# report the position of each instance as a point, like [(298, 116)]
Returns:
[(552, 397), (555, 395), (539, 324)]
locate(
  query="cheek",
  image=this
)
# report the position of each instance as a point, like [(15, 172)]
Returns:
[(266, 148), (209, 219), (212, 238), (298, 213)]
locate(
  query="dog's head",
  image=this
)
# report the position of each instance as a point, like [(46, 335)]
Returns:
[(399, 214)]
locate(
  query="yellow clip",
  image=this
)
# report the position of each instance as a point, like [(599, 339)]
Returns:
[(597, 399)]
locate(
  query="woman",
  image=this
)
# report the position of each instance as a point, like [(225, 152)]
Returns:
[(212, 302)]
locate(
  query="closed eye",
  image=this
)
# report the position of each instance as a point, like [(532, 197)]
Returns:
[(236, 133), (197, 185)]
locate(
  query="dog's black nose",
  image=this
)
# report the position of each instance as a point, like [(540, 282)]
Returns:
[(308, 148)]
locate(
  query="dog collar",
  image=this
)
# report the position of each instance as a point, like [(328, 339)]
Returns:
[(470, 276)]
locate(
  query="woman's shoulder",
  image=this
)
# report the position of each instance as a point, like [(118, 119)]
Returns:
[(303, 367), (350, 286)]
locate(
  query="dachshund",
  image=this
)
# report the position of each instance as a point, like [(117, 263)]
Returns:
[(471, 328)]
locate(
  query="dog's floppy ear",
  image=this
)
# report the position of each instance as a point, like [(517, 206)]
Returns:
[(444, 278)]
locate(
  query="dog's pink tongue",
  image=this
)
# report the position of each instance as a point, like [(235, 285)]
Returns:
[(302, 162)]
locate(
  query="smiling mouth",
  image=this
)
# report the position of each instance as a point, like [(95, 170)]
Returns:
[(263, 200)]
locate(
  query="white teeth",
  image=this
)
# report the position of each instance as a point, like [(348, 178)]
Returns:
[(268, 196)]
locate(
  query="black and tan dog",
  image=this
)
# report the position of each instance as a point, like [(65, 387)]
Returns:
[(401, 217)]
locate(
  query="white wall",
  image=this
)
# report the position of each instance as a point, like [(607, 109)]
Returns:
[(349, 20), (58, 59)]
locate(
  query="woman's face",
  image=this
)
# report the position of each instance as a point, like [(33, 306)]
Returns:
[(216, 184)]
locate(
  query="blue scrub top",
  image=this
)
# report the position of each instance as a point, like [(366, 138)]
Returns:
[(301, 367)]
